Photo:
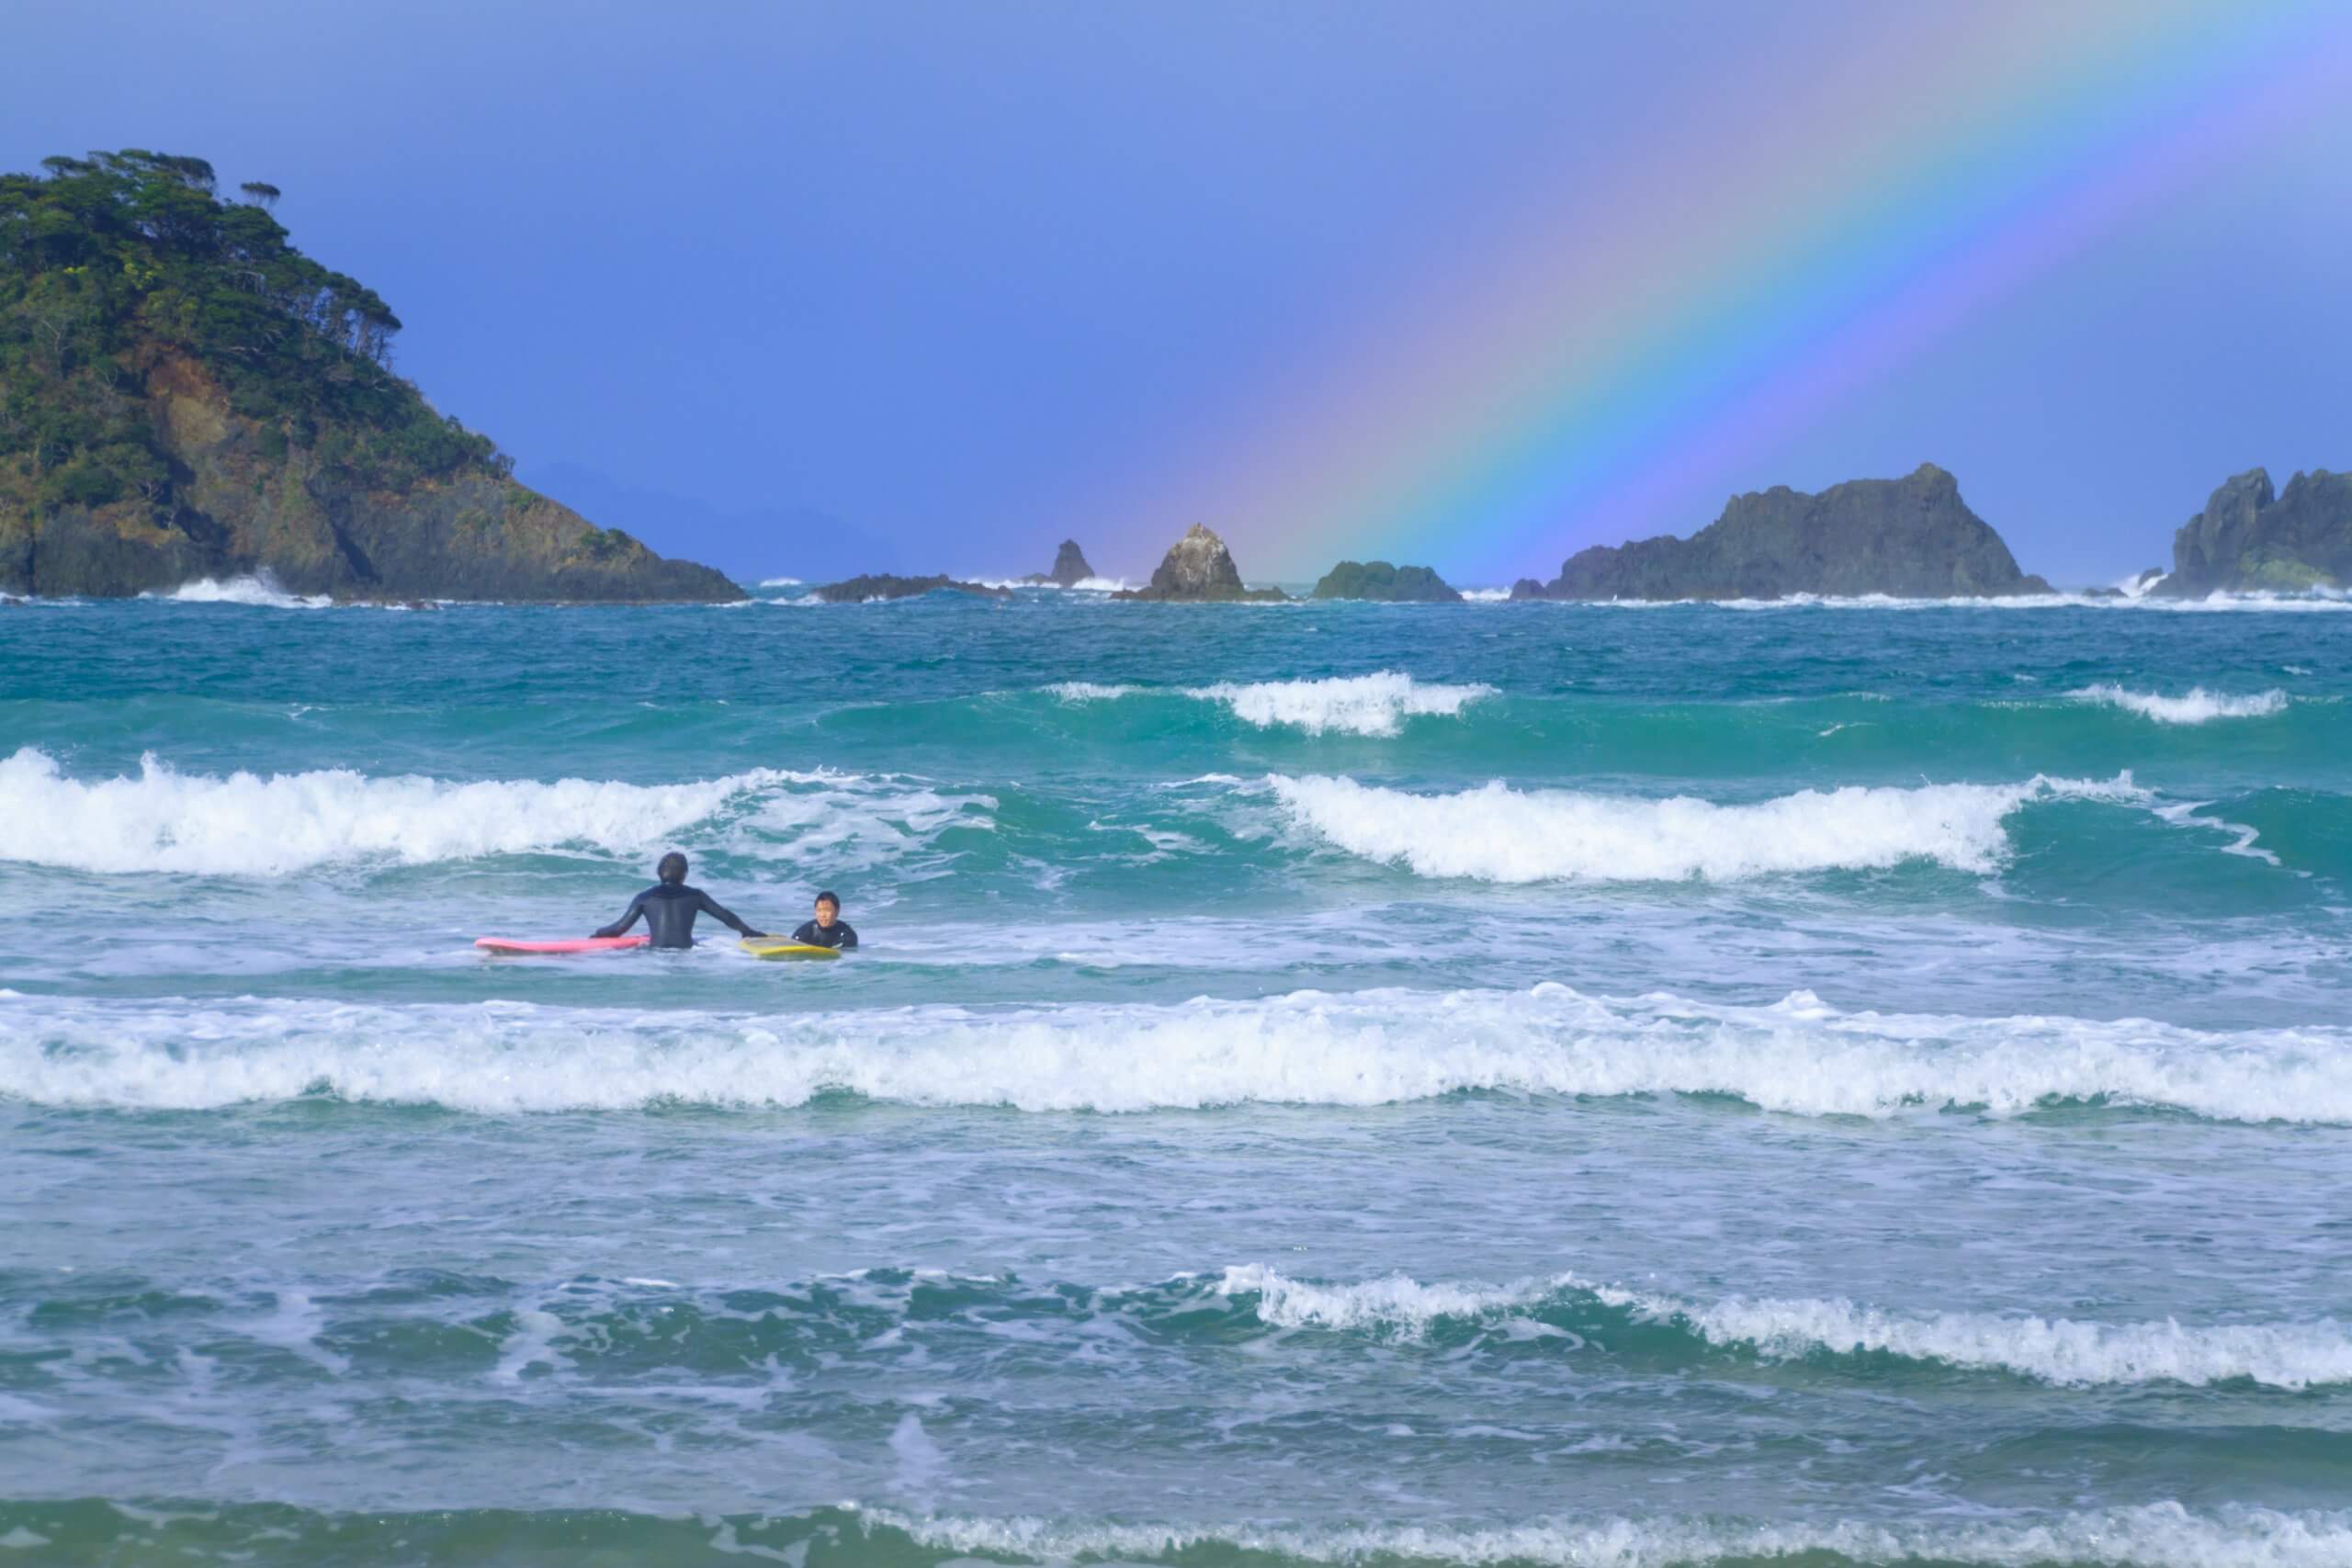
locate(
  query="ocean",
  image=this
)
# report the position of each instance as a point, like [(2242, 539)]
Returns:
[(1498, 1083)]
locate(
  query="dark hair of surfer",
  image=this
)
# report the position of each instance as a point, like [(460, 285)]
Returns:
[(830, 897), (673, 867)]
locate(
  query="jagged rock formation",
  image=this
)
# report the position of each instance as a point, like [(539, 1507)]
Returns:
[(1069, 568), (184, 394), (2252, 539), (858, 590), (1199, 569), (1379, 580), (1912, 538)]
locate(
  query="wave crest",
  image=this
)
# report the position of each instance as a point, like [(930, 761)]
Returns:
[(2062, 1351), (1500, 834), (249, 825), (1374, 704), (2198, 707), (1796, 1056)]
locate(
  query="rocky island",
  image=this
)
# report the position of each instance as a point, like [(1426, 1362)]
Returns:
[(1199, 569), (1390, 584), (883, 585), (2251, 538), (1911, 538), (1069, 568), (184, 394)]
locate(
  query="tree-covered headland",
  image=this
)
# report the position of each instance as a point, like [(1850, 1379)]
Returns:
[(183, 392)]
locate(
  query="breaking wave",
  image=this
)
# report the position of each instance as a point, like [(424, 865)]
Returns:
[(2150, 1535), (2061, 1350), (261, 591), (250, 825), (1374, 704), (1797, 1057), (2198, 707), (1352, 704), (2160, 1535), (1500, 834)]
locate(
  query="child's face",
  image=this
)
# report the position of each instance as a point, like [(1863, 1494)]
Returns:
[(826, 910)]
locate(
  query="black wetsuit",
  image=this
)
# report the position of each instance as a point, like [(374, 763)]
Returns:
[(669, 908), (838, 934)]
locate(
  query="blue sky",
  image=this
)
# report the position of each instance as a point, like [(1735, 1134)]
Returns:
[(806, 291)]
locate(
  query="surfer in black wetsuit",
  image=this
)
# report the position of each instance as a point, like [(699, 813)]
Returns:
[(828, 930), (668, 908)]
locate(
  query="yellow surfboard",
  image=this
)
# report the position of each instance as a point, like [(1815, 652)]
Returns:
[(777, 947)]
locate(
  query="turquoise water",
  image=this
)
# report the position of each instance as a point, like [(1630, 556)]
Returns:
[(1439, 1084)]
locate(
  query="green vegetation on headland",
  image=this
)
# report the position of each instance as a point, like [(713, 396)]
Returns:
[(1391, 584), (184, 394)]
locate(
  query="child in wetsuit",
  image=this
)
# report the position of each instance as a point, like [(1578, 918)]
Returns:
[(828, 930)]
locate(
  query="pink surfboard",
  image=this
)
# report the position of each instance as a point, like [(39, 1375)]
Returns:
[(574, 944)]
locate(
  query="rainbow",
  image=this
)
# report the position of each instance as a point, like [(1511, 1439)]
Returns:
[(1574, 382)]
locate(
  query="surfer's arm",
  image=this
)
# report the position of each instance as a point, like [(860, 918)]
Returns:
[(849, 936), (725, 916), (636, 909)]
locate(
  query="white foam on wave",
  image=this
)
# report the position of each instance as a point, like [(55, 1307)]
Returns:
[(1485, 595), (781, 582), (1496, 833), (2153, 1535), (2197, 706), (1374, 704), (261, 591), (250, 825), (1796, 1056), (1089, 690), (2058, 1350)]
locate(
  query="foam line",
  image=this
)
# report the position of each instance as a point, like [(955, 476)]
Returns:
[(1797, 1057)]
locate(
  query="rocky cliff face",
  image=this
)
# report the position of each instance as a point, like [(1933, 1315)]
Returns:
[(1379, 580), (1200, 569), (1069, 568), (2252, 539), (1912, 538), (243, 502)]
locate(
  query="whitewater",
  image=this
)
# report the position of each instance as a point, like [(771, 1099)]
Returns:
[(1865, 1082)]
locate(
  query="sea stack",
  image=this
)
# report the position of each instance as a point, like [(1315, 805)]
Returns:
[(1389, 584), (2250, 538), (1069, 568), (883, 585), (1199, 569), (1908, 538)]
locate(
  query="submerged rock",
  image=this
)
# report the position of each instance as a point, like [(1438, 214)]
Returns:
[(1199, 569), (1069, 568), (1378, 579), (883, 585), (1910, 539), (2251, 539)]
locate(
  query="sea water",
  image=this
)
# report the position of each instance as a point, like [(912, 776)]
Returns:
[(1472, 1084)]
